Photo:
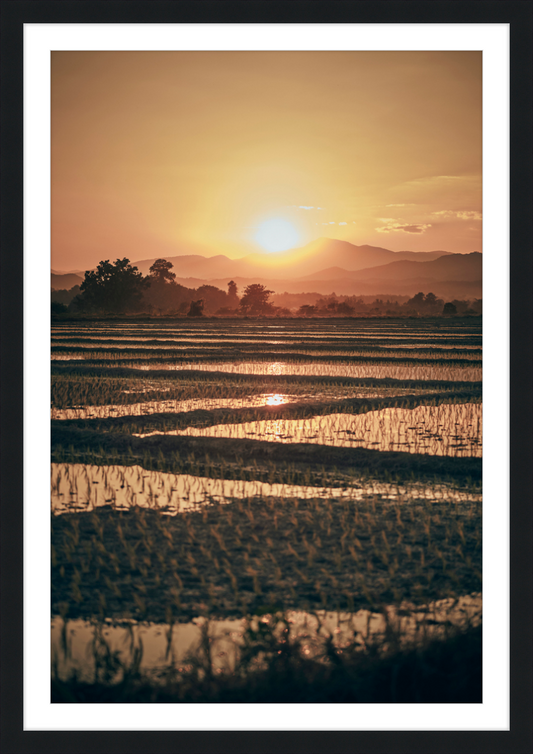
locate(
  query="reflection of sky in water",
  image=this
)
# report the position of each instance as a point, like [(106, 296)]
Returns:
[(163, 646), (248, 333), (147, 408), (324, 347), (444, 430), (359, 371), (153, 407), (84, 487)]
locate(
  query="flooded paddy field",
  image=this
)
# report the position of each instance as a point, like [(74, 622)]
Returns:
[(432, 371), (87, 487), (448, 429), (333, 485), (341, 348), (145, 408)]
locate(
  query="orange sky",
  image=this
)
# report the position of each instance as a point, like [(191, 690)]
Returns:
[(164, 153)]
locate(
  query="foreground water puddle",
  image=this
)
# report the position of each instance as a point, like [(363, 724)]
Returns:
[(78, 645), (424, 429)]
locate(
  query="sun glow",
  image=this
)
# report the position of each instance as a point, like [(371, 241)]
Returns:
[(277, 234), (276, 400)]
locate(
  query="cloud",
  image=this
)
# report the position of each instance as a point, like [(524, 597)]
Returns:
[(343, 223), (399, 205), (460, 214), (469, 215), (332, 222), (394, 227), (302, 207)]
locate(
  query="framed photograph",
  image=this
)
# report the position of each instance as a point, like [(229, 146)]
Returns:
[(289, 324)]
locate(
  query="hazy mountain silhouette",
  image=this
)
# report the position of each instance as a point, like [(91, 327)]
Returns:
[(465, 267), (329, 265), (66, 281), (294, 263)]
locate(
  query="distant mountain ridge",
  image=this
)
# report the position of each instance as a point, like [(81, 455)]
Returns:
[(293, 263), (350, 269), (463, 266)]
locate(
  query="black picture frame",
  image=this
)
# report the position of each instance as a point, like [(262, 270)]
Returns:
[(519, 15)]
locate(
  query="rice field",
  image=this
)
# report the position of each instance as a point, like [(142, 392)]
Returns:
[(425, 429), (232, 482)]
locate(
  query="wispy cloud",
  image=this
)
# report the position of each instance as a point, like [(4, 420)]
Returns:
[(460, 214), (394, 227), (302, 207), (343, 223)]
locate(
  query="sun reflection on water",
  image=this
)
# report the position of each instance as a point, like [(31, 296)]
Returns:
[(276, 399), (277, 367)]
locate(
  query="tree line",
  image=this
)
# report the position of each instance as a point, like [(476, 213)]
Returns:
[(119, 288)]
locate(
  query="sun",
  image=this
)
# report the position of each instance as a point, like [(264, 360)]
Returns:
[(277, 234)]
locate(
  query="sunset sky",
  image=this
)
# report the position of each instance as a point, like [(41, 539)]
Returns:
[(165, 153)]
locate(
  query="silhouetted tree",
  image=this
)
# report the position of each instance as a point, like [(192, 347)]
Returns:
[(428, 304), (160, 271), (212, 297), (64, 296), (58, 308), (417, 302), (233, 298), (196, 309), (449, 309), (168, 297), (114, 287), (344, 308), (307, 310), (255, 300)]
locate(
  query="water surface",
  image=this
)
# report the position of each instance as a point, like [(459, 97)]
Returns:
[(85, 487), (443, 430), (164, 645)]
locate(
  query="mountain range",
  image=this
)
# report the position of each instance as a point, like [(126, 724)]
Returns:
[(325, 266)]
